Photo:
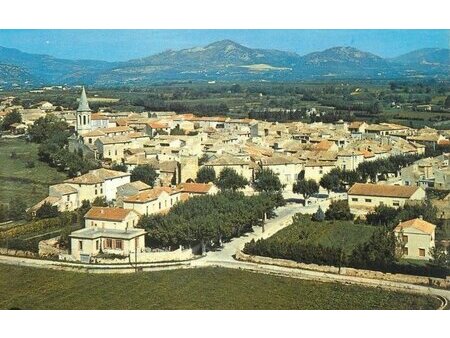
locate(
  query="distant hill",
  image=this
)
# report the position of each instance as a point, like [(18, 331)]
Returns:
[(50, 70), (223, 60), (425, 56)]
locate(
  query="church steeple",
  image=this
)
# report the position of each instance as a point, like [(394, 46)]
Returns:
[(83, 114), (83, 106)]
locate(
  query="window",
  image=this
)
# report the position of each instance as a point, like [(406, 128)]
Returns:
[(160, 205), (354, 199), (396, 203), (368, 200), (118, 244), (405, 239), (96, 244), (108, 243), (405, 251), (101, 191), (68, 198), (80, 245), (96, 191), (422, 252)]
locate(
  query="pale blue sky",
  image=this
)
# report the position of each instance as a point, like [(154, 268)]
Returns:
[(121, 45)]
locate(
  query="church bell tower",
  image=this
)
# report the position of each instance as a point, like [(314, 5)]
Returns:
[(83, 114)]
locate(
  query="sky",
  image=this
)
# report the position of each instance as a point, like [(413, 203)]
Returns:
[(122, 45)]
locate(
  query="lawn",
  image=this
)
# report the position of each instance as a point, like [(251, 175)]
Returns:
[(207, 288), (16, 180), (334, 234)]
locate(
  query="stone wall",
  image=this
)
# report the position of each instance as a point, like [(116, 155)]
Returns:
[(19, 253), (421, 280), (50, 248)]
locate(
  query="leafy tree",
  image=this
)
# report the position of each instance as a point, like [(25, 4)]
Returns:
[(11, 118), (49, 128), (100, 202), (17, 209), (377, 253), (206, 175), (120, 167), (145, 173), (382, 215), (305, 187), (177, 131), (440, 256), (339, 210), (331, 181), (47, 211), (319, 215), (266, 180), (229, 179)]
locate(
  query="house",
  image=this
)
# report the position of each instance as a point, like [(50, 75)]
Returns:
[(130, 189), (287, 168), (107, 231), (364, 197), (153, 201), (314, 170), (241, 166), (18, 128), (417, 237), (99, 183), (349, 159), (113, 147)]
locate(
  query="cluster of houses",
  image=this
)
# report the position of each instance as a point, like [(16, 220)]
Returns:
[(178, 145)]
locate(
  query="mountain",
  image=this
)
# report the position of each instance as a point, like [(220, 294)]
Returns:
[(11, 75), (48, 69), (222, 60), (425, 56), (346, 62)]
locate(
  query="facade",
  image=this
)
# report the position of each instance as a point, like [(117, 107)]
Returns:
[(108, 231), (417, 237)]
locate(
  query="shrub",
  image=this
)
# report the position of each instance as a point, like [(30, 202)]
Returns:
[(339, 210)]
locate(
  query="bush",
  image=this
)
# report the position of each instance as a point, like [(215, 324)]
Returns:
[(339, 210), (319, 215), (29, 164)]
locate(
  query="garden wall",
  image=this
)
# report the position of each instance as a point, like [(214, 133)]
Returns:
[(437, 282)]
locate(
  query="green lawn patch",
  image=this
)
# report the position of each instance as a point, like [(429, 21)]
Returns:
[(18, 180), (207, 288)]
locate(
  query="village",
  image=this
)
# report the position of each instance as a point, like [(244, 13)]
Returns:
[(189, 154)]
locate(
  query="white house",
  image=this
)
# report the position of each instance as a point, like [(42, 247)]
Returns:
[(417, 237), (108, 231)]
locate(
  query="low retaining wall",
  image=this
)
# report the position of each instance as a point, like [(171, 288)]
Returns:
[(152, 257), (420, 280), (18, 253)]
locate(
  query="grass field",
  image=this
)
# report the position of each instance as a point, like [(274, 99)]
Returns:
[(208, 288), (16, 180), (335, 234)]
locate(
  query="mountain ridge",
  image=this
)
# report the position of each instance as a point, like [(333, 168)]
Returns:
[(222, 60)]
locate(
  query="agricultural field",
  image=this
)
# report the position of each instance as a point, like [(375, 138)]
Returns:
[(332, 234), (23, 175), (207, 288)]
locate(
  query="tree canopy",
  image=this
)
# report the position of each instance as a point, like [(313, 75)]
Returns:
[(11, 118), (229, 179), (305, 187), (266, 180), (206, 175), (145, 173)]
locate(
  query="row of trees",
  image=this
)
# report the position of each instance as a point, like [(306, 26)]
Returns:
[(338, 180), (209, 219), (265, 180)]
